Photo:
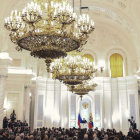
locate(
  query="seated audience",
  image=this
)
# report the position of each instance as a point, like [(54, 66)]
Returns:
[(19, 130)]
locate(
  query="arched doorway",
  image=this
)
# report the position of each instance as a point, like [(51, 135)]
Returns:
[(85, 108)]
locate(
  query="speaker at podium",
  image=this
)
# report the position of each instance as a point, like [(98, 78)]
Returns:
[(84, 121), (84, 125)]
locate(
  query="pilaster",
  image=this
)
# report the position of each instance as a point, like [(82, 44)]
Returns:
[(107, 103), (5, 60)]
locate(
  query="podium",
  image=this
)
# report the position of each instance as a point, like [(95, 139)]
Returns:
[(84, 125)]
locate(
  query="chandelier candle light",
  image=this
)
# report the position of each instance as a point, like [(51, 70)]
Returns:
[(73, 69), (82, 89), (48, 29)]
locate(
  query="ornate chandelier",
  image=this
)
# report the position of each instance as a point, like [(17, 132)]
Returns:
[(73, 69), (82, 89), (48, 29)]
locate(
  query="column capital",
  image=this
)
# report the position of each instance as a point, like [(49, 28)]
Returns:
[(5, 61)]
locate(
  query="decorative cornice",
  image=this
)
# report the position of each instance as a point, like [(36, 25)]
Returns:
[(5, 61)]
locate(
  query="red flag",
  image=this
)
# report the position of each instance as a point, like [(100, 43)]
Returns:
[(90, 124), (79, 120)]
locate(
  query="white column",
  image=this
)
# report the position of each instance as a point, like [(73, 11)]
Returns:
[(57, 104), (139, 108), (132, 92), (115, 104), (99, 90), (53, 100), (107, 103), (49, 103), (4, 62), (2, 95), (123, 104), (98, 103), (64, 107), (33, 105), (40, 106), (27, 100), (72, 109)]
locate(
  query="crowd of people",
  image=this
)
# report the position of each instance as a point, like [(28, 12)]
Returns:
[(25, 133), (12, 123), (133, 124), (18, 130)]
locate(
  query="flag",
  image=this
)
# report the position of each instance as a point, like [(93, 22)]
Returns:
[(90, 124), (79, 120)]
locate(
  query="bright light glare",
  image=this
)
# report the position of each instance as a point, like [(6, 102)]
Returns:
[(30, 94), (127, 114), (115, 117), (5, 55), (7, 106), (101, 63), (15, 70)]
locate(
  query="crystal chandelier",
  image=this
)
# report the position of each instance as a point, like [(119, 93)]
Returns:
[(82, 89), (48, 29), (73, 69)]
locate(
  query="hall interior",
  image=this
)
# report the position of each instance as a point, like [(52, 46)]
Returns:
[(113, 46)]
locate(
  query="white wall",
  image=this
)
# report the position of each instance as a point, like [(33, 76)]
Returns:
[(114, 101), (118, 102), (52, 99)]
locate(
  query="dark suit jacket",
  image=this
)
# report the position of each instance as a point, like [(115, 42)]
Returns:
[(84, 121)]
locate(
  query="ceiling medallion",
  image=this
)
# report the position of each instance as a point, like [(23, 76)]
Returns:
[(48, 29)]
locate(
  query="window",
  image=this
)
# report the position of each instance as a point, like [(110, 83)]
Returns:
[(90, 57), (116, 65)]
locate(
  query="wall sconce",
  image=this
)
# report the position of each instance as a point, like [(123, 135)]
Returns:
[(102, 68), (30, 94), (101, 65)]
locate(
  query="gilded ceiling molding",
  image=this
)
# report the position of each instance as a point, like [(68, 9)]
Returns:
[(114, 16)]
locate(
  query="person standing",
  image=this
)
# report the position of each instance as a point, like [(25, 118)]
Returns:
[(95, 137), (134, 125), (13, 116), (5, 122)]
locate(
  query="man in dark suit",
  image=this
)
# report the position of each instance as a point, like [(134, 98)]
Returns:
[(5, 122), (13, 116), (84, 121), (134, 125), (130, 133)]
